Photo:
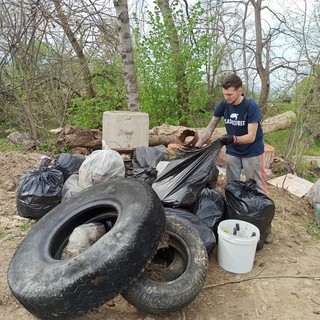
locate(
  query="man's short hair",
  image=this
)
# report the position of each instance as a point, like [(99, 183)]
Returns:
[(232, 80)]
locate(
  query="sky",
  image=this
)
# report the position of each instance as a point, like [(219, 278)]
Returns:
[(282, 7)]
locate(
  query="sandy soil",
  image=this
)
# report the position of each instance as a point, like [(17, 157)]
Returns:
[(284, 283)]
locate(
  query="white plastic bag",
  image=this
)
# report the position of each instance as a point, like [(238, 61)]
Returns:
[(71, 187), (82, 238), (101, 165), (314, 193)]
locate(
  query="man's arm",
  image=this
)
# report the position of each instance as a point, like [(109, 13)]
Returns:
[(250, 136), (207, 132)]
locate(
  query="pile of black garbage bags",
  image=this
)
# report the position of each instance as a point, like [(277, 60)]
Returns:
[(186, 186)]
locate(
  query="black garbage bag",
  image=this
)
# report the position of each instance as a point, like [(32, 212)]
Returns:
[(39, 191), (244, 202), (180, 183), (149, 157), (144, 162), (210, 208), (68, 164), (214, 174), (192, 220), (148, 175)]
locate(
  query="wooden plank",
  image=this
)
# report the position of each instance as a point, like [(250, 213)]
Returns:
[(292, 183)]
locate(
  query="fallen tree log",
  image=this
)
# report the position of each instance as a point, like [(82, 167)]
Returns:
[(75, 138), (91, 139), (166, 134), (279, 122)]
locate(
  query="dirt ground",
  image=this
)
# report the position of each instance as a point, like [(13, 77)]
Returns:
[(284, 283)]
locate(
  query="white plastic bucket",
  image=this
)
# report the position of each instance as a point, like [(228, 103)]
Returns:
[(236, 253)]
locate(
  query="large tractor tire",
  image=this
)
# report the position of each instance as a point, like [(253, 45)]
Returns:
[(52, 288)]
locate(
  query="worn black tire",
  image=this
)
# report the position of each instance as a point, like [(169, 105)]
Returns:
[(51, 288), (173, 293)]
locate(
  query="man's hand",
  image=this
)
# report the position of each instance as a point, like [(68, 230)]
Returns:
[(227, 139)]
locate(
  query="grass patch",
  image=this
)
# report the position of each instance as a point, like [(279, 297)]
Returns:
[(314, 229), (279, 140), (52, 148), (314, 150), (25, 226), (9, 147), (48, 147), (6, 235), (277, 108)]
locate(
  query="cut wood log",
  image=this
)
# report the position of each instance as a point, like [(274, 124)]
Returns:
[(279, 122), (166, 133), (91, 139), (74, 137)]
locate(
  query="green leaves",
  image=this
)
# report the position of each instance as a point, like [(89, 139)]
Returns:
[(170, 60), (110, 95), (171, 79)]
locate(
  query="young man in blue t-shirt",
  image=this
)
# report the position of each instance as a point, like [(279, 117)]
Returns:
[(244, 145)]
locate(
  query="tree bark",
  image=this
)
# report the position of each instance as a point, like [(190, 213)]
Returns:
[(26, 60), (263, 70), (121, 7), (180, 69), (279, 122), (76, 47), (167, 134)]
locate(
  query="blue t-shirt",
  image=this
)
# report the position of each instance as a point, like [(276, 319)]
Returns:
[(236, 119)]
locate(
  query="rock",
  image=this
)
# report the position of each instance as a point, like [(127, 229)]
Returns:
[(22, 139)]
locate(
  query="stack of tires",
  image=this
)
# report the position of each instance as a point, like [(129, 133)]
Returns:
[(139, 236)]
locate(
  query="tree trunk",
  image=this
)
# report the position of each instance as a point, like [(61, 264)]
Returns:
[(76, 47), (27, 63), (121, 7), (279, 122), (29, 108), (263, 71), (167, 134), (244, 50), (182, 90)]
